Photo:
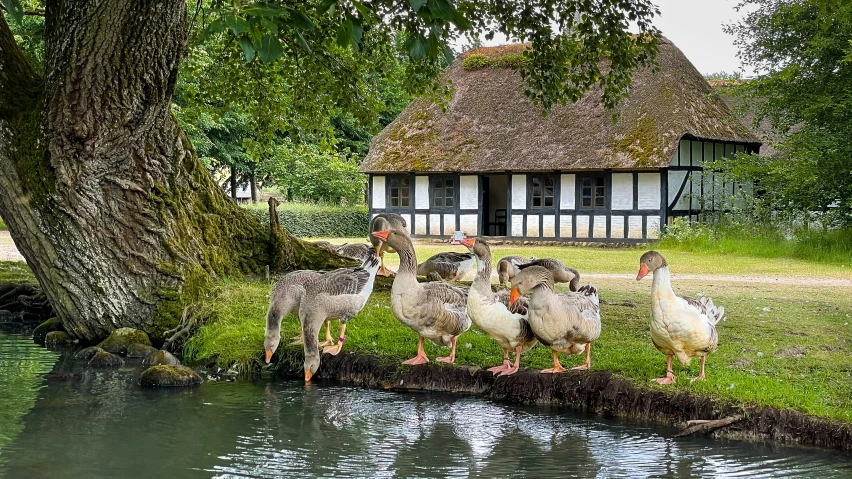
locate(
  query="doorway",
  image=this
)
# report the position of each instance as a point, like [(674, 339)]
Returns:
[(495, 205)]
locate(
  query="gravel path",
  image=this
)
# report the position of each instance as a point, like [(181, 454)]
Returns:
[(8, 251)]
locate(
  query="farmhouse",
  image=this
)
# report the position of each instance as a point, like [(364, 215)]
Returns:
[(493, 165)]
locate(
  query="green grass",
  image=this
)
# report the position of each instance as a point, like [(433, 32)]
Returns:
[(744, 369), (3, 225), (16, 272)]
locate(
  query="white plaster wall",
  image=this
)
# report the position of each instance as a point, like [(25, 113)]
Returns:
[(697, 151), (649, 191), (616, 227), (675, 179), (548, 226), (449, 224), (635, 225), (674, 186), (468, 224), (379, 193), (622, 191), (567, 195), (599, 230), (517, 225), (519, 193), (420, 224), (653, 227), (565, 226), (421, 192), (582, 226), (532, 226), (469, 192), (683, 147), (434, 224)]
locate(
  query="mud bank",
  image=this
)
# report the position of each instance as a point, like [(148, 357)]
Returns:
[(594, 392)]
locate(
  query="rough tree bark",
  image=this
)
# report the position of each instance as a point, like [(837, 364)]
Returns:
[(101, 190)]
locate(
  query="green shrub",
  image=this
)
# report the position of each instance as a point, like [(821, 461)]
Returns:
[(508, 60), (317, 220), (3, 225)]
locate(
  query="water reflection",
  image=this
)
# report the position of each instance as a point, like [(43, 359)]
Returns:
[(93, 423)]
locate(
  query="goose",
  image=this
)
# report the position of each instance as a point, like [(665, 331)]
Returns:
[(286, 297), (508, 267), (384, 222), (340, 293), (491, 312), (357, 251), (436, 311), (449, 265), (561, 273), (566, 322), (680, 326)]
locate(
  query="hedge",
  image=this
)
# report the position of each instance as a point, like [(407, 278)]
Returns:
[(311, 220)]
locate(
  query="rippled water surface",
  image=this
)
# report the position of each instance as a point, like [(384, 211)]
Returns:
[(64, 420)]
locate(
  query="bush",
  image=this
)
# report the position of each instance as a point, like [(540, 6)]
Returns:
[(317, 220)]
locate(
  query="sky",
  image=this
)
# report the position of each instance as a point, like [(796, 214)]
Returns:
[(695, 26)]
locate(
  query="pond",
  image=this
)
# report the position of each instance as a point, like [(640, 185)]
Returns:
[(59, 418)]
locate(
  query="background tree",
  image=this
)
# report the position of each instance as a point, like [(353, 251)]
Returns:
[(102, 190), (803, 50)]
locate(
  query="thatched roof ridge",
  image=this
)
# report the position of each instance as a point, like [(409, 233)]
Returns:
[(491, 126)]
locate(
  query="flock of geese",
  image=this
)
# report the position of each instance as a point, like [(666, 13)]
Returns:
[(517, 318)]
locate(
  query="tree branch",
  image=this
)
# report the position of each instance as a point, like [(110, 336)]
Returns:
[(18, 80)]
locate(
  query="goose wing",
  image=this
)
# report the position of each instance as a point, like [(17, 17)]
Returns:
[(446, 294), (342, 281), (521, 306)]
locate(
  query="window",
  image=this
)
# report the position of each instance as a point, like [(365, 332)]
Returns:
[(399, 192), (592, 191), (542, 190), (443, 192)]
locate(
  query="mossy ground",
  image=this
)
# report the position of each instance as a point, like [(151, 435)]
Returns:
[(758, 360)]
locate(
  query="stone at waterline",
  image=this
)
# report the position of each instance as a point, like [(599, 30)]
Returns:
[(52, 324), (137, 350), (57, 338), (103, 359), (118, 341), (87, 353), (161, 357), (164, 375)]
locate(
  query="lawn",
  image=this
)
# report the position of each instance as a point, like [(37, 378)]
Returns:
[(782, 345)]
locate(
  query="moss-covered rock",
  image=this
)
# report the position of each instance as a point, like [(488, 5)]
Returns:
[(87, 353), (164, 375), (52, 324), (57, 338), (161, 357), (103, 359), (118, 341), (137, 350)]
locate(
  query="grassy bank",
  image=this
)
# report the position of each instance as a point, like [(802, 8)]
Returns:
[(785, 346), (16, 272)]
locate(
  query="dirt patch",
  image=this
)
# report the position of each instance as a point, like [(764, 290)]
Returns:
[(791, 352), (743, 362), (595, 392), (736, 278)]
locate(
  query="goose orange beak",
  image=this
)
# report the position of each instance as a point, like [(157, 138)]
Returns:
[(643, 271), (268, 356), (468, 242), (513, 296), (308, 375), (382, 235)]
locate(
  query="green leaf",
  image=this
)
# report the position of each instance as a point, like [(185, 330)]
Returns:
[(418, 46), (461, 22), (441, 9), (248, 49), (217, 26), (236, 24), (301, 20), (357, 33), (302, 42), (416, 4), (344, 33), (325, 5), (265, 11), (364, 10), (270, 49), (449, 56), (15, 9)]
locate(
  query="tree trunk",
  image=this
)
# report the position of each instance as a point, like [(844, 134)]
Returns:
[(233, 183), (101, 190), (253, 186)]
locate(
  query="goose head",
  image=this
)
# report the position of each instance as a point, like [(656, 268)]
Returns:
[(528, 279), (477, 246), (312, 363), (270, 344), (650, 262), (394, 239)]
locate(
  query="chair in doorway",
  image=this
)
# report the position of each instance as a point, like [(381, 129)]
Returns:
[(498, 227)]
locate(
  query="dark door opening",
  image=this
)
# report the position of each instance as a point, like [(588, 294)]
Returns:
[(495, 205)]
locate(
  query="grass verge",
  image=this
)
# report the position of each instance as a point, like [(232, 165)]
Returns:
[(15, 272), (785, 346)]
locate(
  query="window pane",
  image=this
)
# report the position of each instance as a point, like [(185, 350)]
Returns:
[(448, 183), (548, 191), (405, 192), (449, 202), (404, 182), (448, 192), (599, 191), (587, 201), (587, 191), (405, 203), (548, 201), (548, 182), (439, 201), (394, 201), (599, 201), (394, 192), (587, 181), (536, 202), (394, 182), (536, 182), (599, 181)]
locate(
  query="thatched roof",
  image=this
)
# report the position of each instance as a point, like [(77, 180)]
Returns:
[(491, 126)]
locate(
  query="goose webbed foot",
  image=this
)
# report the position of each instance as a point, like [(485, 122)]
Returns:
[(421, 355), (669, 378), (452, 357), (557, 367), (499, 369), (588, 362)]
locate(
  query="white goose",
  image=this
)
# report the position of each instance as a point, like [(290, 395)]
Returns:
[(492, 314), (680, 326)]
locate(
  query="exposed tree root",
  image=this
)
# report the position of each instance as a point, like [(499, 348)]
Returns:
[(704, 426)]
